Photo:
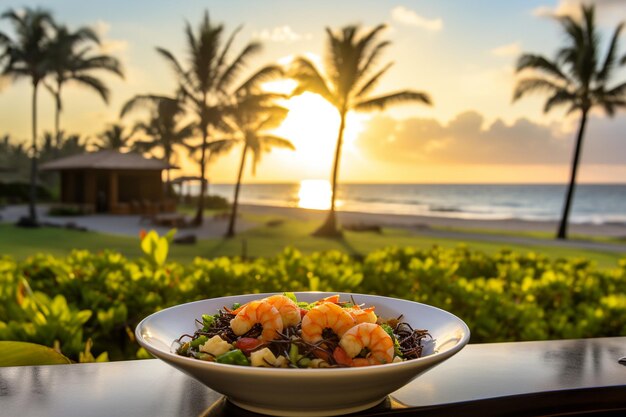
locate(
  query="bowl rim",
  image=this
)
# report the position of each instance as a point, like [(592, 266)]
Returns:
[(312, 372)]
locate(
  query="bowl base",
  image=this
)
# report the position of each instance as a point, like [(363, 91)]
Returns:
[(335, 411)]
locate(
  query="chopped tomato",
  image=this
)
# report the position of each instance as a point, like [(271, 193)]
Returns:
[(303, 312), (322, 354), (248, 344), (342, 357)]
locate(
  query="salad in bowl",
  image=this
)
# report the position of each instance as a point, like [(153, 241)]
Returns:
[(281, 332), (250, 348)]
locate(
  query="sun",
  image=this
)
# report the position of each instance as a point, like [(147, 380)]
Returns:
[(312, 125)]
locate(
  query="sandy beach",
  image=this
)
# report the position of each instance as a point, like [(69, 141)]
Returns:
[(416, 222)]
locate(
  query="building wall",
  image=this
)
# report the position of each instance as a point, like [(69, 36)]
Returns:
[(104, 190)]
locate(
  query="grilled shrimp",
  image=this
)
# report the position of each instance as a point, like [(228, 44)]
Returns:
[(362, 315), (331, 299), (260, 312), (289, 311), (370, 336), (325, 316)]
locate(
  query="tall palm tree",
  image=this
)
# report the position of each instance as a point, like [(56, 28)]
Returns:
[(253, 113), (577, 78), (164, 127), (203, 85), (350, 76), (114, 138), (71, 59), (27, 57)]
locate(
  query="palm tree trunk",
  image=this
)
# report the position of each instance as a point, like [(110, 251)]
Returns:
[(57, 122), (562, 232), (233, 214), (197, 221), (329, 227), (32, 202), (168, 181)]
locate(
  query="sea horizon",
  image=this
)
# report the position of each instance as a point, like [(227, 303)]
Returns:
[(596, 203)]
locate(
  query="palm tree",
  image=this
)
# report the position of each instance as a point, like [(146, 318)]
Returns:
[(164, 127), (578, 78), (71, 60), (27, 57), (254, 113), (114, 138), (203, 85), (350, 76)]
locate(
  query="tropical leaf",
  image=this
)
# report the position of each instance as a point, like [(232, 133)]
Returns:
[(314, 83), (29, 354), (94, 84), (560, 97), (233, 70), (265, 74), (532, 85), (538, 62), (609, 61), (400, 97), (273, 141), (371, 83)]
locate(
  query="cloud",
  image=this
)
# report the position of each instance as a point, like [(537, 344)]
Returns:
[(467, 139), (282, 34), (108, 46), (607, 10), (511, 49), (408, 17)]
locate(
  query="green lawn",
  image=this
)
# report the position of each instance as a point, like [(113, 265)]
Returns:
[(263, 240)]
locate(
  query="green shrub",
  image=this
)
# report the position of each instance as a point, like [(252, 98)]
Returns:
[(66, 210), (508, 296), (19, 192)]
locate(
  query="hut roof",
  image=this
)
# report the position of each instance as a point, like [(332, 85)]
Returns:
[(107, 159)]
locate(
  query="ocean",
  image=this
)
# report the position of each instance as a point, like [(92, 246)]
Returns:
[(595, 204)]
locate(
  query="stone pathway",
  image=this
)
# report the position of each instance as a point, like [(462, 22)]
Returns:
[(128, 225)]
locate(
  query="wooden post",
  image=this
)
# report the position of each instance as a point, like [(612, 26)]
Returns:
[(113, 191)]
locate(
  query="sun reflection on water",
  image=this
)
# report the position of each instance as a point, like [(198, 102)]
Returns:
[(314, 194)]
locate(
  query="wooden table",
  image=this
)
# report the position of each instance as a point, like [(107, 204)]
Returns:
[(512, 379)]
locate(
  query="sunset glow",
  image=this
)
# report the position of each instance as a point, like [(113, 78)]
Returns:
[(314, 194), (464, 60)]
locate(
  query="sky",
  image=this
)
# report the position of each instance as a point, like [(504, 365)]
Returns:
[(461, 53)]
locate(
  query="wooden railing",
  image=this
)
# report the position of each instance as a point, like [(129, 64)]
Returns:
[(564, 377)]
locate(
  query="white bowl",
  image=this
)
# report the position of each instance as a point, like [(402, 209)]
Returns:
[(304, 392)]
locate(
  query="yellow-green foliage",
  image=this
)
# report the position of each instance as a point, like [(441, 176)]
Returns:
[(503, 297)]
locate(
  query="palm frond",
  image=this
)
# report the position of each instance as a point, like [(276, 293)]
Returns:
[(93, 83), (379, 103), (222, 56), (100, 62), (372, 58), (183, 77), (371, 83), (618, 92), (220, 146), (309, 79), (273, 141), (87, 33), (538, 62), (146, 101), (232, 71), (532, 85), (266, 73), (609, 61), (273, 118), (559, 98)]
